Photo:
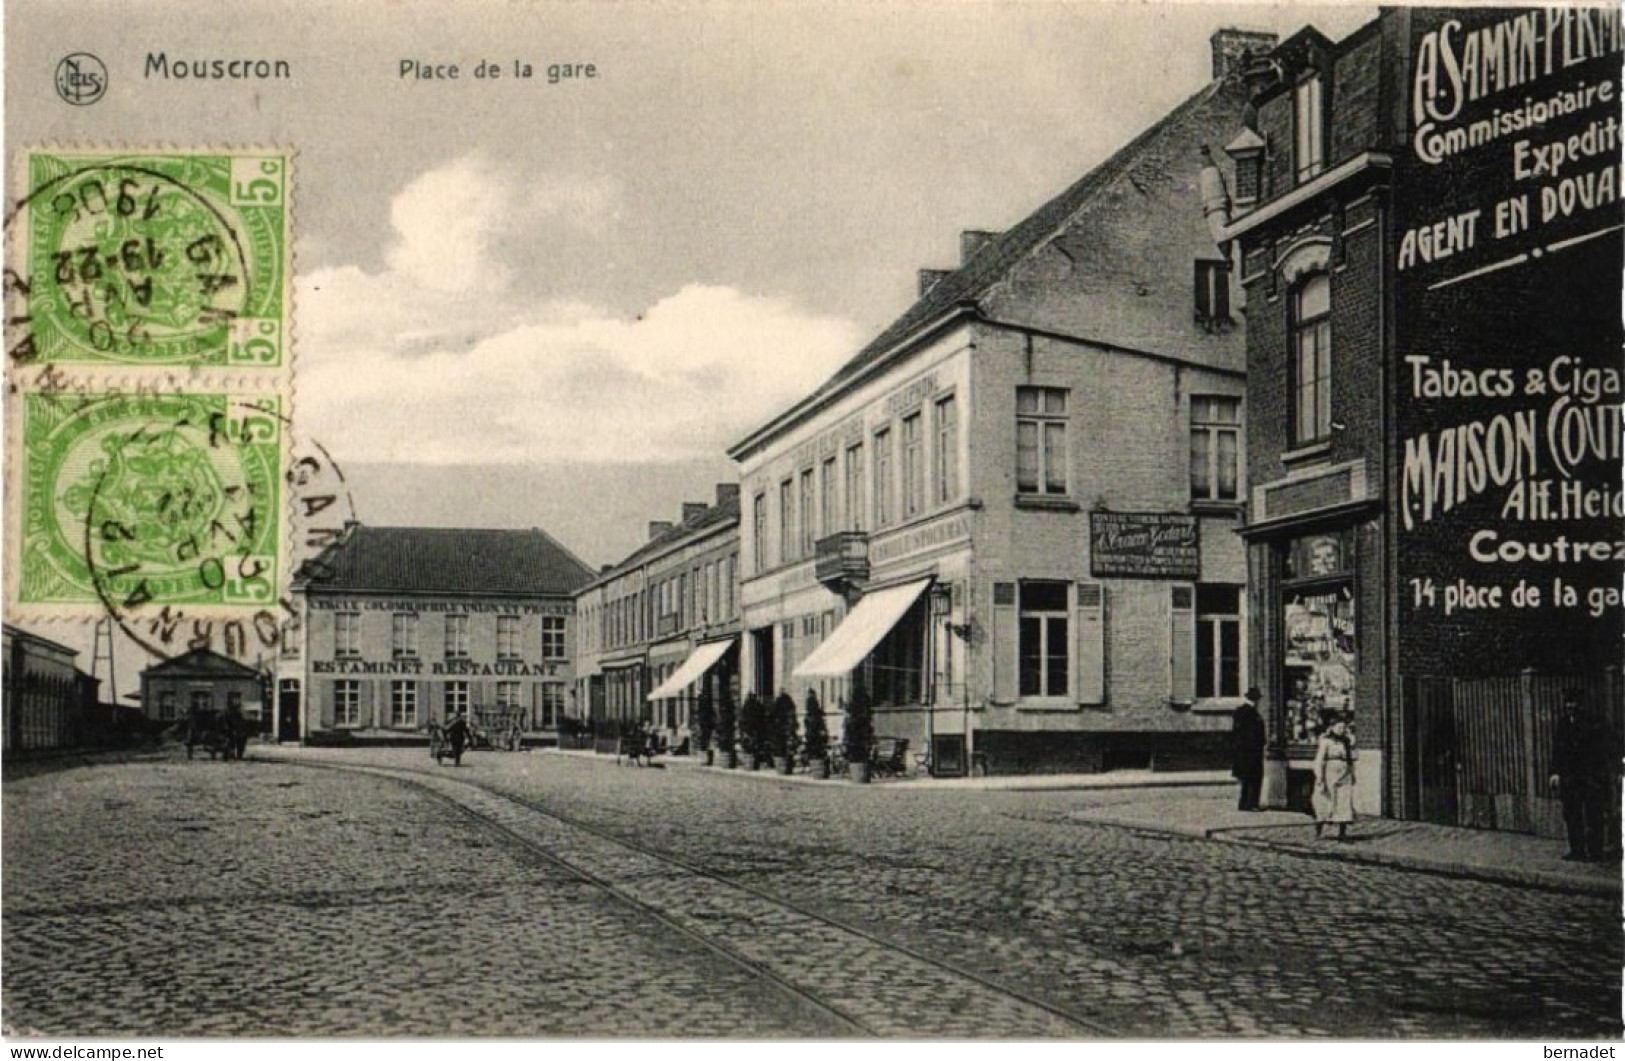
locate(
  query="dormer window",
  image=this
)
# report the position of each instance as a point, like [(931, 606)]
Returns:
[(1308, 129)]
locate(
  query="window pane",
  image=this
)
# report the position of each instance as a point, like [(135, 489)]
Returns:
[(1031, 656), (1026, 399), (1043, 596), (1314, 298), (1056, 649), (1204, 658), (1055, 402), (1027, 456), (1201, 480), (1055, 458), (1229, 442)]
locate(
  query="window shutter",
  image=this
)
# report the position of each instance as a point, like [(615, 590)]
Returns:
[(1091, 643), (321, 706), (423, 704), (1182, 644), (364, 713), (1005, 646)]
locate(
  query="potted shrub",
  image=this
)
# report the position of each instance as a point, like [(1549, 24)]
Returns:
[(786, 738), (815, 737), (859, 733), (703, 723), (727, 722), (753, 730)]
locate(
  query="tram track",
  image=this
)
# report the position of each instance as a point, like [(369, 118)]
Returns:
[(857, 983)]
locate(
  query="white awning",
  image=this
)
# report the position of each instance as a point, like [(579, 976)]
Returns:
[(698, 662), (860, 631)]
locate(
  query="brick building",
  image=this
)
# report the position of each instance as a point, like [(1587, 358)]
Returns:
[(403, 625), (1011, 515), (664, 620), (1433, 393)]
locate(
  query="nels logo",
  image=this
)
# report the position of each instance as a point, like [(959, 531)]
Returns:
[(81, 79)]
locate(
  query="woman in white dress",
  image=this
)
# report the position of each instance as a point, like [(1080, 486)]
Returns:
[(1334, 778)]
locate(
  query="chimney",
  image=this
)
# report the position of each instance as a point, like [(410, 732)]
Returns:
[(727, 493), (930, 278), (657, 527), (1233, 47), (693, 510), (972, 240)]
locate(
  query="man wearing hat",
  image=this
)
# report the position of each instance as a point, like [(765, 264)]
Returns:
[(1584, 754), (1247, 749)]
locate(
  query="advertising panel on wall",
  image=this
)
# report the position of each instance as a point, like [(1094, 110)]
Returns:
[(1507, 369)]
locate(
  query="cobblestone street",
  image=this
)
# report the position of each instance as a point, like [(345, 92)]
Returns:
[(167, 897)]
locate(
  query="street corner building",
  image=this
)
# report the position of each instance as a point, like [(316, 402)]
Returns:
[(1012, 515), (1427, 225), (403, 626), (663, 623)]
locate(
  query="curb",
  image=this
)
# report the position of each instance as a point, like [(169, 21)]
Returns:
[(921, 784), (1543, 880)]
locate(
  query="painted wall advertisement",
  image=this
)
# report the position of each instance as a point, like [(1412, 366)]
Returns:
[(1508, 375)]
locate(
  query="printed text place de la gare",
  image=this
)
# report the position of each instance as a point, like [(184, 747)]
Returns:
[(425, 70)]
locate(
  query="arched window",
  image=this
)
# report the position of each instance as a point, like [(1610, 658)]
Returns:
[(1312, 360)]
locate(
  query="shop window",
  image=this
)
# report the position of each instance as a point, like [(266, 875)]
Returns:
[(1311, 367), (1308, 129), (883, 477), (854, 487), (552, 637), (403, 704), (508, 637), (456, 637), (895, 670), (1218, 640), (947, 455), (1212, 292), (1318, 620), (346, 635), (508, 697), (1043, 634), (403, 638), (1041, 440), (549, 705), (347, 702), (1215, 448), (913, 467), (456, 699)]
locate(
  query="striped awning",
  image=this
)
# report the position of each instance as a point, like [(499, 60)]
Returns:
[(860, 631)]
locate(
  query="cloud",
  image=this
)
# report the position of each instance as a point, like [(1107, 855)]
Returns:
[(438, 359)]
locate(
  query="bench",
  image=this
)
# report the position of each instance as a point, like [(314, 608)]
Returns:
[(639, 749)]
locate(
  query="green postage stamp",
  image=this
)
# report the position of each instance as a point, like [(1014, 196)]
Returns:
[(149, 500), (162, 260)]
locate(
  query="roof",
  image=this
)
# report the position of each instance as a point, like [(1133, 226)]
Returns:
[(965, 288), (201, 663), (446, 562), (43, 642), (727, 511)]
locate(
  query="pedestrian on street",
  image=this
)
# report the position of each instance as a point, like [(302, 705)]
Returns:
[(1585, 757), (1333, 797), (457, 736), (1247, 749)]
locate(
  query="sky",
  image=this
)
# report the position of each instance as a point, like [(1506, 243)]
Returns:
[(530, 304)]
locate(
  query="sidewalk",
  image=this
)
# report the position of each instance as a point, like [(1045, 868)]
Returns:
[(1475, 854), (1206, 810)]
